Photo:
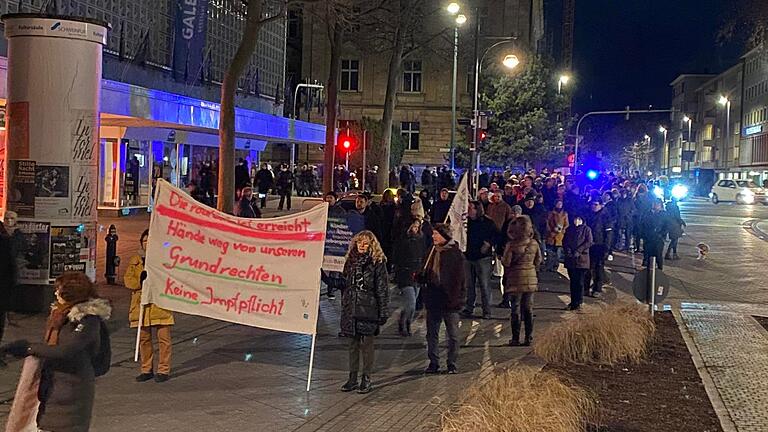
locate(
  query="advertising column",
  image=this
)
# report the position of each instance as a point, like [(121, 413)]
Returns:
[(54, 77)]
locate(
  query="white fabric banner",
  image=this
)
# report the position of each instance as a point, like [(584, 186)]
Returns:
[(458, 214), (257, 272)]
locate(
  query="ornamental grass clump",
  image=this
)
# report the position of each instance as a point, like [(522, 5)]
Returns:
[(523, 399), (606, 334)]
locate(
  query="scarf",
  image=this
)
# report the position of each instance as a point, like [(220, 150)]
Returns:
[(358, 272), (435, 267), (56, 321)]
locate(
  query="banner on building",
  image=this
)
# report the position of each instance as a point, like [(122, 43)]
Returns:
[(189, 41), (256, 272)]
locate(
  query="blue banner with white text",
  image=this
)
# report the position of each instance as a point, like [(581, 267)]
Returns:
[(189, 41)]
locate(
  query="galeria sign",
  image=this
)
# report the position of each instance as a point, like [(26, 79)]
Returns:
[(257, 272)]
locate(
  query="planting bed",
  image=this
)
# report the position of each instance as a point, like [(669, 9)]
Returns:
[(762, 320), (663, 393)]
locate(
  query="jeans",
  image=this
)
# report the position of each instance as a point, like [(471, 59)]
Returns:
[(478, 275), (596, 272), (361, 345), (409, 306), (577, 277), (285, 196), (434, 320), (554, 255), (525, 303), (146, 351)]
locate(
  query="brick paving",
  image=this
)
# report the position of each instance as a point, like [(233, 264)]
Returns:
[(228, 377)]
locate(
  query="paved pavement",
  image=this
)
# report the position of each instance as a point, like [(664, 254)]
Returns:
[(228, 377), (715, 300)]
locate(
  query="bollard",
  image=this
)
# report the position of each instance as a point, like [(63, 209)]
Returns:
[(652, 283), (112, 261)]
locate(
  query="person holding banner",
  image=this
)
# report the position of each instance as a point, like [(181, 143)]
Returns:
[(154, 319), (364, 305)]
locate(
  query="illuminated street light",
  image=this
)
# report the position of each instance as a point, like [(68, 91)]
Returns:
[(511, 61), (662, 129), (723, 100), (461, 19), (686, 119), (561, 82), (454, 8)]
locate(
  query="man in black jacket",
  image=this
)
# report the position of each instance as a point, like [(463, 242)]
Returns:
[(371, 212), (653, 229), (598, 222), (481, 236), (440, 207), (7, 278), (625, 210), (284, 187)]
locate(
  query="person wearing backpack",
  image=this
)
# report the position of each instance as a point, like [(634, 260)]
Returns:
[(155, 320), (75, 350)]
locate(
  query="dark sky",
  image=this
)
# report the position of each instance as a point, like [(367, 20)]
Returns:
[(626, 52)]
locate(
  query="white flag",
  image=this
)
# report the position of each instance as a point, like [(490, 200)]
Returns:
[(458, 214)]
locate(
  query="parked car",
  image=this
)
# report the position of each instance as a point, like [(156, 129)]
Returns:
[(738, 191)]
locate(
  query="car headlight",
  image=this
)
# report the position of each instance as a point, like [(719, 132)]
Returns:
[(659, 192), (748, 196), (679, 191)]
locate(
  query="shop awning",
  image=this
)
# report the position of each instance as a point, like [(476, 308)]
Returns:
[(138, 107)]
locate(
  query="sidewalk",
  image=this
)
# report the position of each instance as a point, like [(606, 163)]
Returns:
[(228, 377), (727, 344)]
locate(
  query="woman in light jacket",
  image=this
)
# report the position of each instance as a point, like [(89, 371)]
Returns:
[(522, 256), (156, 320)]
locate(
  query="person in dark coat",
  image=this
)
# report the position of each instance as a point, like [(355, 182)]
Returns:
[(371, 214), (75, 343), (440, 207), (242, 174), (284, 187), (481, 236), (537, 213), (364, 305), (409, 261), (675, 224), (598, 221), (576, 245), (265, 180), (444, 296), (653, 228), (8, 275), (522, 257), (245, 208), (388, 208), (625, 210), (427, 181)]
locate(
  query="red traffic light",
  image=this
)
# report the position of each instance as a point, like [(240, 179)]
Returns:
[(346, 144), (346, 141)]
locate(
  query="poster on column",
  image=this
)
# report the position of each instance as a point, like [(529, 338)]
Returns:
[(32, 240), (69, 249), (52, 198), (256, 272), (21, 187)]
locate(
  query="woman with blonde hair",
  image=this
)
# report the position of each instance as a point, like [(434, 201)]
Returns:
[(364, 305)]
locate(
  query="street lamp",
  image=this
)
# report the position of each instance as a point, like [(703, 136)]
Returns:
[(724, 101), (663, 130), (561, 82), (454, 9), (510, 61)]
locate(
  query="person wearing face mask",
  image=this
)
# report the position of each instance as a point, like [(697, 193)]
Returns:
[(364, 306), (576, 244), (76, 349), (155, 320), (557, 223)]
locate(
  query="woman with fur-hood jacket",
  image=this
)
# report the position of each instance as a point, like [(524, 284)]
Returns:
[(522, 256), (75, 350)]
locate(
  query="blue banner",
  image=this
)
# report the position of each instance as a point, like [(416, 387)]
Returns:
[(189, 41)]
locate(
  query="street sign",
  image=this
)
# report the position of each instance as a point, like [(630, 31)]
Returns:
[(640, 286), (444, 150)]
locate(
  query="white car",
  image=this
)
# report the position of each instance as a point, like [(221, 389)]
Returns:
[(738, 191)]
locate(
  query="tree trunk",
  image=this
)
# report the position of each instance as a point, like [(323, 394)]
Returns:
[(331, 91), (394, 73), (226, 183)]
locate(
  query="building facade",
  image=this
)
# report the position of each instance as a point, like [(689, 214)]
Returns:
[(729, 115), (160, 120), (423, 107)]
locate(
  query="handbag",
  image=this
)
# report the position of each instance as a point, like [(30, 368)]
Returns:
[(366, 305)]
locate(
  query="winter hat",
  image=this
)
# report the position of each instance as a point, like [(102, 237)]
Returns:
[(444, 230)]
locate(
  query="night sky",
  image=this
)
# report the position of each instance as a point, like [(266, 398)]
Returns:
[(626, 52)]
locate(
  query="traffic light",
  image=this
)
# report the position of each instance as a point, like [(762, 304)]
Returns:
[(482, 136), (346, 141)]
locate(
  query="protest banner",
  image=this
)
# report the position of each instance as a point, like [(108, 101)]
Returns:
[(257, 272), (342, 226)]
